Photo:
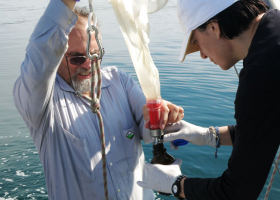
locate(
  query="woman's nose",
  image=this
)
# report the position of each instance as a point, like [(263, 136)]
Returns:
[(203, 56)]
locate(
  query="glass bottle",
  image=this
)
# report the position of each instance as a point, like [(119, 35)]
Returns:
[(160, 155)]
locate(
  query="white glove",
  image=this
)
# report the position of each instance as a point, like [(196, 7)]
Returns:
[(192, 133), (171, 128), (161, 177)]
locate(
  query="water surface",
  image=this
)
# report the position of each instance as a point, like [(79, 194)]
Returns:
[(205, 92)]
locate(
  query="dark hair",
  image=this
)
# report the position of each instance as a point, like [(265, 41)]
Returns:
[(237, 18)]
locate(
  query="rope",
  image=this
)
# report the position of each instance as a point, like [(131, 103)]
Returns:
[(236, 71), (94, 99), (95, 106), (272, 177), (276, 166)]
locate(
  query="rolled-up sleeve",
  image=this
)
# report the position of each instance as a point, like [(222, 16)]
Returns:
[(48, 43)]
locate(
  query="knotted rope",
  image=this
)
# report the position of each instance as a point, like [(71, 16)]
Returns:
[(96, 86), (95, 107)]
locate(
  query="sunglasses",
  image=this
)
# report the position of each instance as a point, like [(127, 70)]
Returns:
[(79, 60)]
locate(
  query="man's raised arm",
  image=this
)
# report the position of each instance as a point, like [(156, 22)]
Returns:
[(34, 88)]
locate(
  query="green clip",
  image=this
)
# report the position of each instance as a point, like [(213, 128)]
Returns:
[(130, 135)]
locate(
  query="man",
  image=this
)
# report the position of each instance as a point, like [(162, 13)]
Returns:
[(227, 31), (62, 125)]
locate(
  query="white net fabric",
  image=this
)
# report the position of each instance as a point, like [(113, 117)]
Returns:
[(132, 16)]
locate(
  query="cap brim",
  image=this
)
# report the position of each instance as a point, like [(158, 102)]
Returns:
[(187, 47)]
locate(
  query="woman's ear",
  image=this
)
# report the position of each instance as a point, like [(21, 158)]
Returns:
[(214, 29)]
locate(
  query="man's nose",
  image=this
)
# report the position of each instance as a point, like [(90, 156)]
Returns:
[(87, 64), (203, 56)]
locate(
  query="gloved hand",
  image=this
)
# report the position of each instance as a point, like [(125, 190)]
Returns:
[(192, 133), (146, 136), (161, 177)]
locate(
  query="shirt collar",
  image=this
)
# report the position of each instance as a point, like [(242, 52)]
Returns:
[(66, 87)]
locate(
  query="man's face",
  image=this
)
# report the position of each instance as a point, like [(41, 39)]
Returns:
[(80, 74), (218, 49)]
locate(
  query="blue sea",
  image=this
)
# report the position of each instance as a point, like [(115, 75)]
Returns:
[(205, 92)]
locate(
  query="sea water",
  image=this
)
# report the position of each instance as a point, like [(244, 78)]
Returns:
[(205, 92)]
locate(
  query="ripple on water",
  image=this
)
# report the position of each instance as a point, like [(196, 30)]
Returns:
[(15, 189), (20, 173)]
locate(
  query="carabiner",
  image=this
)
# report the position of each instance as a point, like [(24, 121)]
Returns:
[(93, 28)]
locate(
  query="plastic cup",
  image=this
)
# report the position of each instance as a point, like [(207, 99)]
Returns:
[(154, 107)]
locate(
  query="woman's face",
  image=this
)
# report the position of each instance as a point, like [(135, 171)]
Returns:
[(218, 49)]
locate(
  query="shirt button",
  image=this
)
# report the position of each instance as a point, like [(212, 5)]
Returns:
[(111, 164), (119, 190), (69, 22)]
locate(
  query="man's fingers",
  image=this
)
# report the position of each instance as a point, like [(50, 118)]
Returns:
[(181, 114), (173, 114), (170, 113), (164, 115), (181, 110), (176, 113)]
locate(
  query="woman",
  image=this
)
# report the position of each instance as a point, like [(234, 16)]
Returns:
[(227, 31)]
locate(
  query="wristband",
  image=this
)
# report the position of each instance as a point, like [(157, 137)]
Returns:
[(216, 132), (218, 144), (218, 136), (76, 0)]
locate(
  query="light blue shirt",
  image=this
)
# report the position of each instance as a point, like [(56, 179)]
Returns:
[(66, 132)]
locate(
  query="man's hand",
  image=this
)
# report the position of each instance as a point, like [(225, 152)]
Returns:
[(170, 113), (70, 3), (161, 177)]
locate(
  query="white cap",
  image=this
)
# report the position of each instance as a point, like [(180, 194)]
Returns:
[(192, 14)]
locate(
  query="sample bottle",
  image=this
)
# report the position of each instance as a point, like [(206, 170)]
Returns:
[(160, 155)]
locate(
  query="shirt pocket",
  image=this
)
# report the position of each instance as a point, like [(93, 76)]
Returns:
[(132, 146), (76, 157)]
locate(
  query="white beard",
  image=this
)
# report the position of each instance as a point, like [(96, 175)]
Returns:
[(81, 86)]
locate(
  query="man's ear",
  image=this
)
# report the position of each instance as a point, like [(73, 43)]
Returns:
[(214, 28)]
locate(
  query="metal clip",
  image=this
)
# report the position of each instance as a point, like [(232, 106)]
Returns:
[(92, 28)]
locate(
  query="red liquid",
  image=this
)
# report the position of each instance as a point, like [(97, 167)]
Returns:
[(154, 107)]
